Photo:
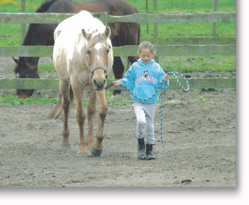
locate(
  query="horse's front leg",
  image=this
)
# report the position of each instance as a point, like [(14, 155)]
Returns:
[(102, 111), (80, 115), (91, 111)]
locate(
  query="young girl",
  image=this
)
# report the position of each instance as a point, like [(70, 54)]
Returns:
[(143, 78)]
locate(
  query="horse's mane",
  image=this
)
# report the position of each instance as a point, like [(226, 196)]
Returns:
[(44, 7)]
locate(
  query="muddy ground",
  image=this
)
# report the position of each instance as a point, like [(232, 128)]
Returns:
[(199, 133)]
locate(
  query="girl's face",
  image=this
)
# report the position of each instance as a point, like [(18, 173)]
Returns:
[(146, 55)]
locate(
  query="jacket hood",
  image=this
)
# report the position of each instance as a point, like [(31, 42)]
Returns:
[(143, 64)]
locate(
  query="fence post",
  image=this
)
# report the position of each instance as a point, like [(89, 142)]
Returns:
[(103, 17), (23, 9), (147, 11), (216, 6), (155, 10)]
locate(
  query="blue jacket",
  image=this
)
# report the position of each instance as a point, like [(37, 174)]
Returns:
[(143, 80)]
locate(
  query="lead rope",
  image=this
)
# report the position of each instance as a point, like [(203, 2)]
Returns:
[(161, 96)]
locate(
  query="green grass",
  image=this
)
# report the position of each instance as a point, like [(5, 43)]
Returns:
[(201, 100), (186, 6), (165, 30), (46, 67), (14, 100), (200, 63), (116, 100)]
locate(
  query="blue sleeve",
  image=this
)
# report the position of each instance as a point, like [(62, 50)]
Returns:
[(129, 80)]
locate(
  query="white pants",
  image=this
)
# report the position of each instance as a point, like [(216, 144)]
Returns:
[(145, 120)]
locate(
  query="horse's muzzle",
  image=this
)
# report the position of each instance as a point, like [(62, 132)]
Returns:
[(99, 85), (21, 93)]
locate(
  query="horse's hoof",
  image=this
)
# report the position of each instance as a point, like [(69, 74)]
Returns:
[(66, 146), (95, 152)]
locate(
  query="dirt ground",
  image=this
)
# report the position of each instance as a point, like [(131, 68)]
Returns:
[(199, 133)]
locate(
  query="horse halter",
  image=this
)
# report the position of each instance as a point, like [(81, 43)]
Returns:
[(98, 67)]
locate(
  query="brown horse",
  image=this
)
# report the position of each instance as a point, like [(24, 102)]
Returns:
[(42, 34), (83, 57)]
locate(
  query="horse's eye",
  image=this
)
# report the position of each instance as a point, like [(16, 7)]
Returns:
[(107, 51), (88, 52)]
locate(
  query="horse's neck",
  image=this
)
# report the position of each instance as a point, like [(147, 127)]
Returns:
[(34, 38), (39, 34)]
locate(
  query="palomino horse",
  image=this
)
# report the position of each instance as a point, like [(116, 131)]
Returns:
[(42, 34), (83, 57)]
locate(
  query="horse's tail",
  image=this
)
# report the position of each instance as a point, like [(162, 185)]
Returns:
[(45, 6), (57, 108)]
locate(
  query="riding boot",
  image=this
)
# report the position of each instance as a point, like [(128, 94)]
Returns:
[(141, 148), (149, 152)]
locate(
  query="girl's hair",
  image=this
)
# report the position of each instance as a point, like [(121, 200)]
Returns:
[(146, 45)]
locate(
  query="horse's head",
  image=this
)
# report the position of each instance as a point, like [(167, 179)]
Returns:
[(99, 56), (23, 69)]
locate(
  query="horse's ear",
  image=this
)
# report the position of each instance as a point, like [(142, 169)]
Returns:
[(16, 61), (107, 32), (86, 35)]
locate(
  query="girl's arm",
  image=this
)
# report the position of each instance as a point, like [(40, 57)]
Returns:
[(128, 81), (163, 77)]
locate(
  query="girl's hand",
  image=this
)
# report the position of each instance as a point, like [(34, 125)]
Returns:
[(116, 83), (165, 78)]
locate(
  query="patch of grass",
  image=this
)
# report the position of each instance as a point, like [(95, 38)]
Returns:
[(201, 100), (9, 69), (46, 67), (189, 29), (116, 100), (8, 41), (199, 63), (14, 100), (113, 101), (189, 6), (197, 90)]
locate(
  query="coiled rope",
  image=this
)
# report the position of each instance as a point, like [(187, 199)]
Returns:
[(161, 96)]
